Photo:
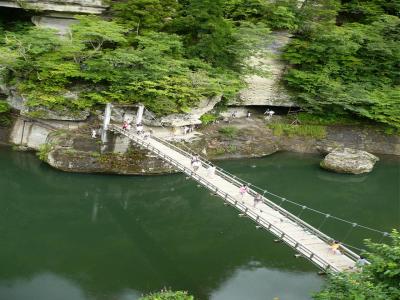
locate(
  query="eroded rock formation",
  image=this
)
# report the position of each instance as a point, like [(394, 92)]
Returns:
[(347, 160)]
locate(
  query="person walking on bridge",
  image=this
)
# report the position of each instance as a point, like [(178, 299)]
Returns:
[(195, 162), (243, 191), (196, 165), (211, 171), (335, 247), (257, 199), (139, 129)]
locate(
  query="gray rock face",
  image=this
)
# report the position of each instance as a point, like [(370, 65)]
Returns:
[(60, 22), (192, 117), (30, 134), (62, 115), (347, 160), (71, 6), (267, 90)]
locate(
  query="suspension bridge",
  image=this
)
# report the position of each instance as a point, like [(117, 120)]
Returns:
[(305, 239)]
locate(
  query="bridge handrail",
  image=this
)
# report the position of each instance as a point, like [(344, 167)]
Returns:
[(237, 182), (250, 213)]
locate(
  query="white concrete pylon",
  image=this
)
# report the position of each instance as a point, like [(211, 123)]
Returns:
[(139, 114), (106, 122)]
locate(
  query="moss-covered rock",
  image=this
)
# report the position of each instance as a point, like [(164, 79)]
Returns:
[(77, 151)]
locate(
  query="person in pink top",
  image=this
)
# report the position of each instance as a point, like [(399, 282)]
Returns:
[(243, 190)]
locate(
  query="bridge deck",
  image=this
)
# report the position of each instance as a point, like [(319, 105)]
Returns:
[(302, 237)]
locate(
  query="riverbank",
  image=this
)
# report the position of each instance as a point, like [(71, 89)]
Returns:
[(69, 146)]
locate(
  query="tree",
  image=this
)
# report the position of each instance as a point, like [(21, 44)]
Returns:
[(144, 15), (206, 34), (379, 280), (347, 69)]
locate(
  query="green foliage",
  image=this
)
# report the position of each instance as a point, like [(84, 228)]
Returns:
[(208, 118), (280, 15), (43, 152), (314, 131), (379, 280), (103, 66), (229, 131), (168, 54), (207, 34), (165, 54), (4, 107), (5, 119), (352, 68), (144, 15), (168, 295), (327, 119)]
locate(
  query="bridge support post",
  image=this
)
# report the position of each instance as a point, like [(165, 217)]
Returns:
[(139, 114), (106, 122)]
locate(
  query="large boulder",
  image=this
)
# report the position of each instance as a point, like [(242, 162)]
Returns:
[(347, 160)]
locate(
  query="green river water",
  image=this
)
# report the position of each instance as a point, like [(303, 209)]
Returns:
[(101, 237)]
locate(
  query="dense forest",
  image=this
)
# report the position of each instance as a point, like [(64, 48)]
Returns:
[(343, 59)]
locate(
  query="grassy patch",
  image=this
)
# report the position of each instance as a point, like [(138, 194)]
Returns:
[(311, 119), (229, 131), (315, 131), (208, 118), (39, 114), (5, 119), (43, 152), (95, 154), (168, 295)]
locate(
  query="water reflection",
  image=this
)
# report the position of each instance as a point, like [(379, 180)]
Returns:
[(43, 286), (342, 178), (115, 237), (263, 283)]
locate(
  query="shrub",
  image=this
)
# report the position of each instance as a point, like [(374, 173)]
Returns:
[(327, 119), (208, 118), (5, 119), (229, 131), (43, 152), (378, 280), (315, 131), (168, 295)]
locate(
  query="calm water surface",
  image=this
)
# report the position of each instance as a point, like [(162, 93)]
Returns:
[(99, 237)]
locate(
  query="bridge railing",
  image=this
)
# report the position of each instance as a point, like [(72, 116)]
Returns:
[(238, 183), (319, 261)]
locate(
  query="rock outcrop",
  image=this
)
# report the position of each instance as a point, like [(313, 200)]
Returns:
[(57, 14), (192, 117), (65, 114), (65, 6), (31, 134), (267, 90), (71, 148), (347, 160), (77, 151)]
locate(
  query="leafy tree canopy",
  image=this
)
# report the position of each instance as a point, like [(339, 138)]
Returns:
[(378, 280), (168, 54), (347, 60)]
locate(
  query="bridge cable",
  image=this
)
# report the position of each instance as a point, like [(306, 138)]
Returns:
[(264, 191), (384, 233)]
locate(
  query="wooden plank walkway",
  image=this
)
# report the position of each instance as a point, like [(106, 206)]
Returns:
[(302, 237)]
